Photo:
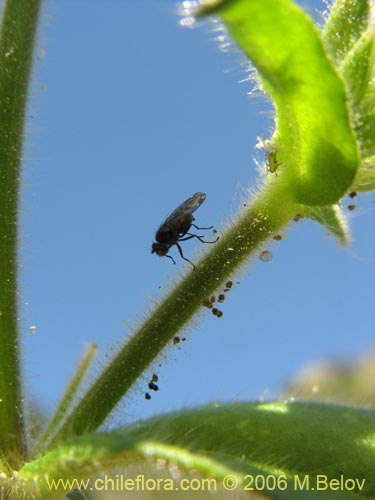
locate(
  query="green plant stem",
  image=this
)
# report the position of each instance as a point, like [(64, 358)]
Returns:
[(17, 37), (270, 211), (67, 399)]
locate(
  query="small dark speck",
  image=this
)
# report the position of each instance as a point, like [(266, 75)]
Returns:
[(216, 312), (297, 217)]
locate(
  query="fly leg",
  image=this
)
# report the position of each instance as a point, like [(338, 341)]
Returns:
[(189, 237), (199, 228), (182, 255), (200, 238), (170, 257)]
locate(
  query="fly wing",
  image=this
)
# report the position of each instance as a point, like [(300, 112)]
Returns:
[(187, 207)]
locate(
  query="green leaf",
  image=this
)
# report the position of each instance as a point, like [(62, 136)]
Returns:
[(284, 440), (365, 131), (17, 38), (332, 218), (357, 68), (346, 22), (317, 148), (365, 179)]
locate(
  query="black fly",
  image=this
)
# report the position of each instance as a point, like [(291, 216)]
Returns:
[(175, 228)]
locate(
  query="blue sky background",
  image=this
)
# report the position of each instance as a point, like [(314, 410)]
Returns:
[(130, 114)]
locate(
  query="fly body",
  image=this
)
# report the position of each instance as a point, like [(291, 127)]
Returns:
[(176, 227)]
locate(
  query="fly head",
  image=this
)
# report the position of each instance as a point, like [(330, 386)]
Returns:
[(160, 249)]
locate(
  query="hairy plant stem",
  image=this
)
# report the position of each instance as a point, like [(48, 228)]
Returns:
[(269, 212), (17, 37)]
